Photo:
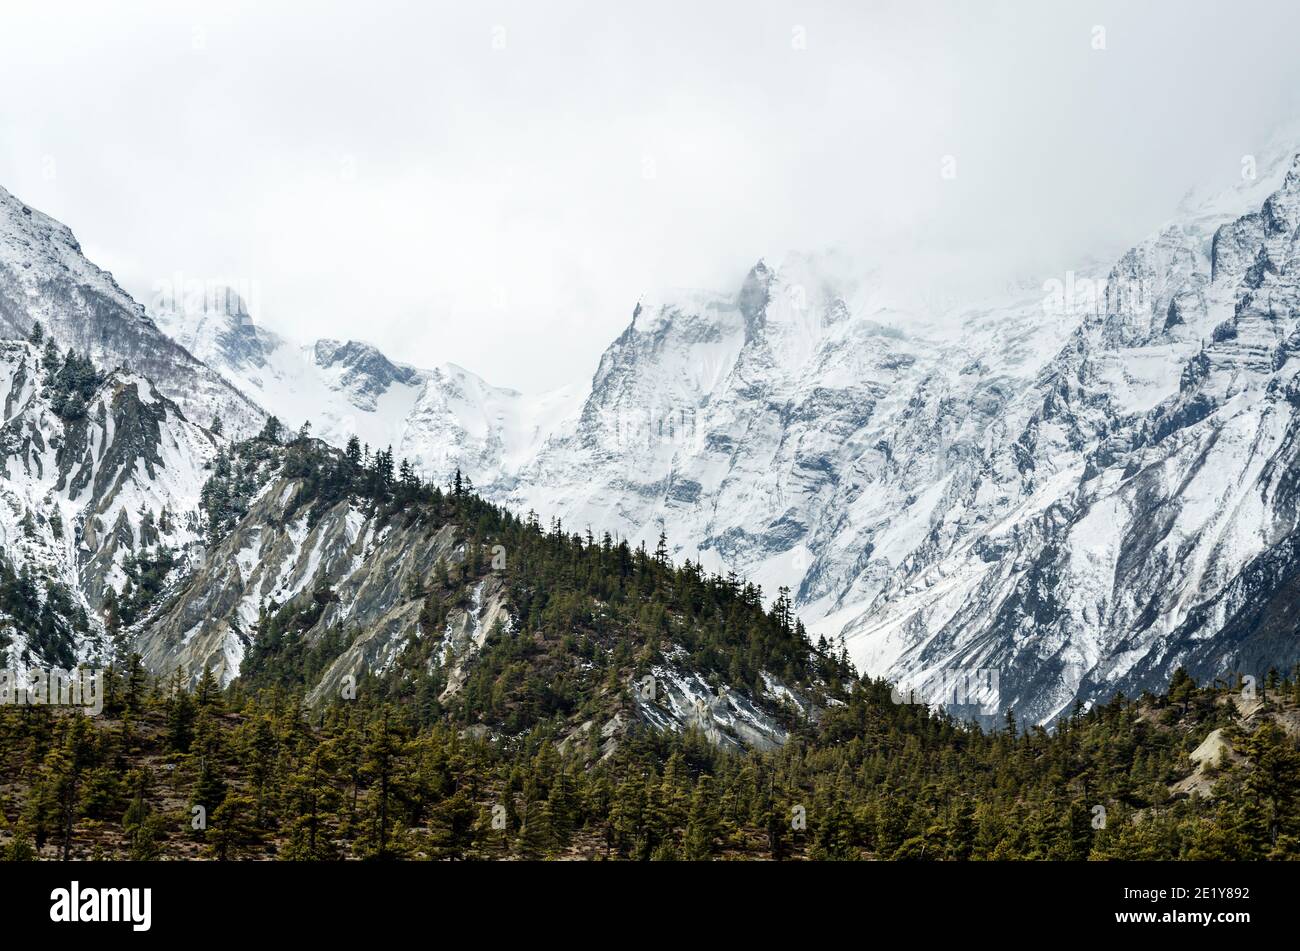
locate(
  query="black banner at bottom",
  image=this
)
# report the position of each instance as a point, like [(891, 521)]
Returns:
[(144, 901)]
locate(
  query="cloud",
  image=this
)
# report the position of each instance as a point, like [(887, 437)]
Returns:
[(495, 184)]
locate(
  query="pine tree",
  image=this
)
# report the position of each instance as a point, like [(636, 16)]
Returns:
[(271, 430), (536, 838), (702, 824), (259, 752), (181, 713), (208, 692), (661, 549), (559, 806), (313, 797), (1182, 688), (136, 679), (232, 827), (383, 761), (452, 827), (142, 826), (51, 359), (210, 786)]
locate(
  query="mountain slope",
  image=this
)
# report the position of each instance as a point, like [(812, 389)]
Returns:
[(326, 572), (1153, 473), (1201, 775), (45, 278), (100, 477)]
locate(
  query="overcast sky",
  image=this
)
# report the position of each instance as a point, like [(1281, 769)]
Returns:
[(495, 184)]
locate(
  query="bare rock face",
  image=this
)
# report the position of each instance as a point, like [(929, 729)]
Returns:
[(363, 573), (467, 631), (365, 594)]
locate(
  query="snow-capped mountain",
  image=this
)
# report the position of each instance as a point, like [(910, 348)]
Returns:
[(343, 389), (1141, 478), (748, 427), (958, 492), (947, 487), (1078, 484), (440, 419), (45, 278)]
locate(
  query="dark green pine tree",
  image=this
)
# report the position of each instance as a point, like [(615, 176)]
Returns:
[(702, 823)]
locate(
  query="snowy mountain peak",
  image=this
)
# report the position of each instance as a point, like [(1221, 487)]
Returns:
[(440, 419), (215, 326), (1111, 512), (44, 278), (362, 371)]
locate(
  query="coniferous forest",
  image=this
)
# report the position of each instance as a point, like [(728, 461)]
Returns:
[(872, 780), (514, 764)]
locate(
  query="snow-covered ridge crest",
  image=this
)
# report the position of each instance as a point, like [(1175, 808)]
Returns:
[(440, 419), (45, 278)]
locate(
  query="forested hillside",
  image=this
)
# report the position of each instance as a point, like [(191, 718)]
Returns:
[(570, 728), (169, 773)]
